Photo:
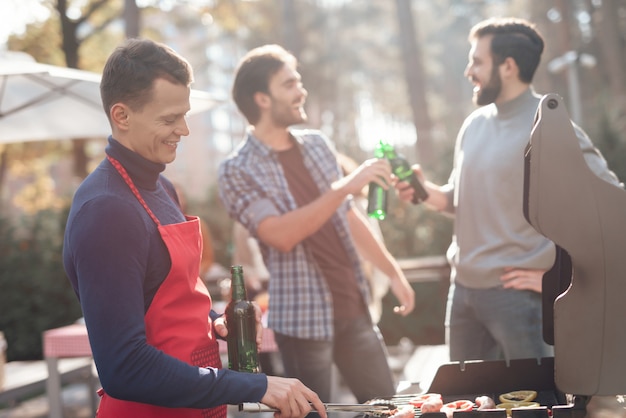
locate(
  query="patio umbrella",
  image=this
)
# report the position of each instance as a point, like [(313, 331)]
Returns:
[(45, 102)]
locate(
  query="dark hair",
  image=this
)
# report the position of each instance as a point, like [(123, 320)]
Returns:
[(253, 74), (130, 71), (515, 38)]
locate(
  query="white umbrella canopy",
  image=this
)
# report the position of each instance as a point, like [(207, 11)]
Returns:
[(44, 102)]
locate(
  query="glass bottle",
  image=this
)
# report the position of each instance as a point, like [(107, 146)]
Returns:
[(377, 195), (402, 169), (241, 324)]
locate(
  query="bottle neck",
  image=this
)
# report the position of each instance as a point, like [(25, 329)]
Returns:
[(237, 284)]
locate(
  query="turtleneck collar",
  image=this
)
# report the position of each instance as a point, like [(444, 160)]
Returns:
[(510, 108), (144, 173)]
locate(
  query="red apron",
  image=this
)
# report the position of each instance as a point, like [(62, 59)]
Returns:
[(177, 321)]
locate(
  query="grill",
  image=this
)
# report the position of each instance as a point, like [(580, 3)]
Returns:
[(493, 378)]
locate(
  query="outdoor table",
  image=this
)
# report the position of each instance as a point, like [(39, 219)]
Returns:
[(65, 342)]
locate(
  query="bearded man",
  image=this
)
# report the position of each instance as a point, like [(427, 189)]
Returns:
[(497, 258)]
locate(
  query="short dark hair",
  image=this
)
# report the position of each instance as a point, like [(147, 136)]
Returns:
[(515, 38), (253, 74), (131, 70)]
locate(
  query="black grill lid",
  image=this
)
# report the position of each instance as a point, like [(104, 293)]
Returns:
[(484, 377)]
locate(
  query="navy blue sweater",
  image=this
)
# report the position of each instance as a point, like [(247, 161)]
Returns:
[(116, 261)]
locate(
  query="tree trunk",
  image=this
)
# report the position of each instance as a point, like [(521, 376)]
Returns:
[(612, 54), (572, 72), (80, 158), (414, 74), (291, 37), (565, 36), (71, 44), (70, 49), (4, 150), (131, 19)]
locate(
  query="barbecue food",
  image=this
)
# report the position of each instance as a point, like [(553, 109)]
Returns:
[(432, 404), (510, 405), (392, 409), (460, 405), (484, 402), (518, 396), (517, 399), (419, 400), (406, 411)]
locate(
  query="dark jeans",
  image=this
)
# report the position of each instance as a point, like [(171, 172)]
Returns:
[(358, 351), (495, 324)]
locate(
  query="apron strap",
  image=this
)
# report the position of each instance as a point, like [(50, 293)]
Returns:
[(120, 169)]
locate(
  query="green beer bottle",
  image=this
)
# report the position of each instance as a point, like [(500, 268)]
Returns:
[(377, 195), (241, 324), (402, 169)]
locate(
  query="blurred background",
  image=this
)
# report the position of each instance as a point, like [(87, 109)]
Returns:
[(374, 70)]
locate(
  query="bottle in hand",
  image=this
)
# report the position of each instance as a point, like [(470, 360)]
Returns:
[(402, 169), (241, 324), (377, 195)]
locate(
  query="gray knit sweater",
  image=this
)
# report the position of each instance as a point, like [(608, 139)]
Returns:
[(485, 194)]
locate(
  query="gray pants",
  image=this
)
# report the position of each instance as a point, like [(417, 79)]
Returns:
[(358, 351), (495, 324)]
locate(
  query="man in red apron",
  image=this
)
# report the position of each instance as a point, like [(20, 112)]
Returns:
[(133, 258)]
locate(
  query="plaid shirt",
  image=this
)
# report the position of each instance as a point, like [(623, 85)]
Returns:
[(253, 186)]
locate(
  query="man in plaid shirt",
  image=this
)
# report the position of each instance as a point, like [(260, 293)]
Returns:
[(286, 187)]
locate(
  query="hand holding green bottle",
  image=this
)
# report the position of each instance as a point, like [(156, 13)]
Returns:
[(403, 171), (377, 195)]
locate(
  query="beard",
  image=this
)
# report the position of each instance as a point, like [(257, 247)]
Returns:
[(489, 92), (287, 116)]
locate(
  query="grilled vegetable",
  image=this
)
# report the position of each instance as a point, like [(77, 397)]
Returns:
[(518, 396), (510, 405)]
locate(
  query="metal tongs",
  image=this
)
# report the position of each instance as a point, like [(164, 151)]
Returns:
[(330, 407)]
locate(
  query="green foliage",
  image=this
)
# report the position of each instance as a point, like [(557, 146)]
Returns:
[(415, 231), (612, 146), (36, 294), (42, 40)]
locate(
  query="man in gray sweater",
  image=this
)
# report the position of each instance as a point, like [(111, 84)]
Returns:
[(497, 258)]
